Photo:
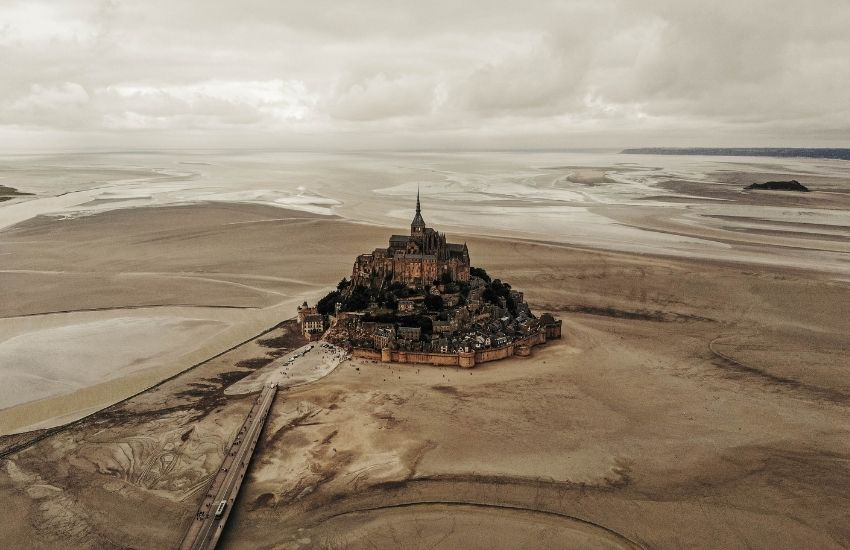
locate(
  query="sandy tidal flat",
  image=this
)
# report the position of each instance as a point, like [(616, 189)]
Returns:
[(129, 297), (699, 397), (71, 356)]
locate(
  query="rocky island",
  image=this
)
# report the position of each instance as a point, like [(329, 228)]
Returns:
[(792, 185), (419, 300), (9, 193)]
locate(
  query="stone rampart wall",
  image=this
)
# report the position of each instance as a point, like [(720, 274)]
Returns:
[(365, 353), (465, 360)]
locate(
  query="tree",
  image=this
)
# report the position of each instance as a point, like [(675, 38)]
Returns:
[(497, 289), (327, 304), (343, 284), (434, 303), (420, 321), (357, 299), (509, 301), (380, 318), (480, 273)]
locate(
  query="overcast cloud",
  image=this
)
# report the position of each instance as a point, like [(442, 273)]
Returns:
[(437, 74)]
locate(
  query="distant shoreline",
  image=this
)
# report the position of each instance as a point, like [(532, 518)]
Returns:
[(781, 152)]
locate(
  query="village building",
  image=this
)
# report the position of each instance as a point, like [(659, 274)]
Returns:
[(410, 334), (304, 310), (313, 325)]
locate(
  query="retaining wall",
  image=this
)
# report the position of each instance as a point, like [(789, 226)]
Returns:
[(520, 347)]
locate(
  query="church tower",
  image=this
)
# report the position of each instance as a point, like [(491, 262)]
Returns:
[(417, 226)]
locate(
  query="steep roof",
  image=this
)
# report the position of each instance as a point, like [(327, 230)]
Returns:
[(417, 219)]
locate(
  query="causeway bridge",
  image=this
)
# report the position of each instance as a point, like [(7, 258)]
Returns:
[(212, 515)]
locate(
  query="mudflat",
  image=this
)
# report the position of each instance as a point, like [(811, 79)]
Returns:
[(118, 301), (699, 396), (690, 403)]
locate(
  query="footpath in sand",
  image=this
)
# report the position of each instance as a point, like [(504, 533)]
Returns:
[(298, 367)]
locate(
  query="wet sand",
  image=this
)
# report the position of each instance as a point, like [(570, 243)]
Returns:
[(171, 269), (699, 397)]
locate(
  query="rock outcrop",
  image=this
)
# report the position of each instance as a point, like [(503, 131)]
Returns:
[(792, 185)]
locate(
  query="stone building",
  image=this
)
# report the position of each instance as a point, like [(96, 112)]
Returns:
[(417, 259), (410, 334), (313, 325), (551, 325), (304, 310), (384, 337)]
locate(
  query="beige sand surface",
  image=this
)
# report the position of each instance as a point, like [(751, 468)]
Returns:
[(225, 265), (301, 366), (700, 396), (691, 403), (73, 360)]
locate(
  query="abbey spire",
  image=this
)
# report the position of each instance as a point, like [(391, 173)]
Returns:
[(417, 226)]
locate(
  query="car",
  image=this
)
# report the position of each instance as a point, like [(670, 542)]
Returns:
[(220, 509)]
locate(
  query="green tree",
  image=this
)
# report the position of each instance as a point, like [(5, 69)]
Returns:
[(327, 304), (434, 303), (480, 273), (357, 299)]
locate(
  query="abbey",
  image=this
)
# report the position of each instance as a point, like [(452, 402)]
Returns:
[(419, 301), (417, 259)]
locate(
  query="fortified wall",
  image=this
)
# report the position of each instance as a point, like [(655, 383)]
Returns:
[(464, 359)]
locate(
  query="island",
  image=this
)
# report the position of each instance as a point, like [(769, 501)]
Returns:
[(9, 193), (419, 300), (792, 185)]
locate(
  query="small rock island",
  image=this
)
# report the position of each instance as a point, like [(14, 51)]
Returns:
[(419, 300), (792, 185)]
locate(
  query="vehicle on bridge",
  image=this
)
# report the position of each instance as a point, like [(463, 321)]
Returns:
[(220, 510)]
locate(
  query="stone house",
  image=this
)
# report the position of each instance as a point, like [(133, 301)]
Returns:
[(441, 327), (410, 334), (313, 325), (384, 338), (451, 299)]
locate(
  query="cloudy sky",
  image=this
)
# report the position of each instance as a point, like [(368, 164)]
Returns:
[(435, 74)]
